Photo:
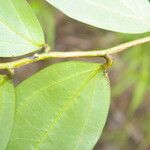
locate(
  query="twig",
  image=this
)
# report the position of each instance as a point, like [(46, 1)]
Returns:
[(95, 53)]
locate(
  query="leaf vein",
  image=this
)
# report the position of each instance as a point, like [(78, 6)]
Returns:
[(62, 111), (27, 101)]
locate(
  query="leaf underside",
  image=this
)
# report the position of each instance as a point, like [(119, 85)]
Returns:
[(7, 110), (64, 106), (128, 16), (20, 31)]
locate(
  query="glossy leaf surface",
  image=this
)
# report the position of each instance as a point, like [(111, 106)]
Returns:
[(117, 15), (64, 106), (20, 31), (7, 110)]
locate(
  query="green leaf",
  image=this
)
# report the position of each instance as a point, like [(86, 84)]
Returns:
[(128, 76), (142, 85), (117, 15), (64, 106), (20, 31), (46, 17), (7, 110)]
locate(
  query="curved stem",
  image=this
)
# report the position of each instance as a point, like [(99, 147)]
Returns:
[(95, 53)]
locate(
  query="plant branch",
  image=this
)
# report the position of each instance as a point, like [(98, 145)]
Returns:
[(96, 53)]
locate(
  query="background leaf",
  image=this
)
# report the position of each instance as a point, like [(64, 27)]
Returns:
[(135, 75), (142, 85), (7, 110), (46, 16), (64, 106), (20, 31), (117, 15)]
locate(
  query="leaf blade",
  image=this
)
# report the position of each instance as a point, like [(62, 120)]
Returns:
[(120, 16), (7, 111), (20, 31), (64, 98)]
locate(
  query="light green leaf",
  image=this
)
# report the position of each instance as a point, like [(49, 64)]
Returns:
[(64, 106), (46, 17), (7, 110), (116, 15), (20, 31)]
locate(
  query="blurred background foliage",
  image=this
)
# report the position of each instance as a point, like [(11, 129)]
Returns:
[(128, 125)]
